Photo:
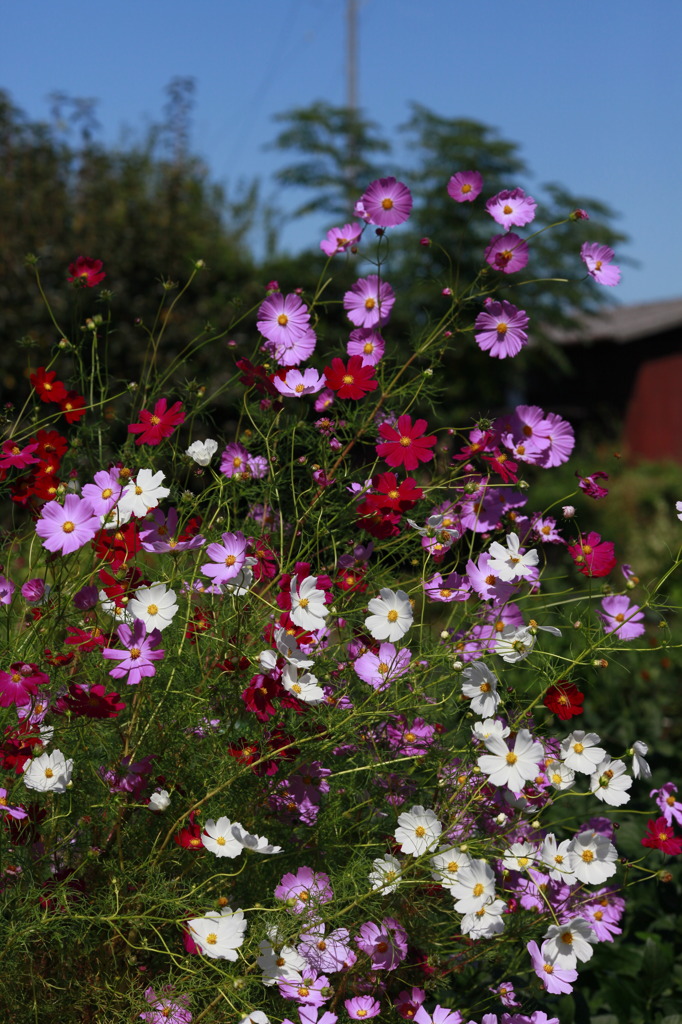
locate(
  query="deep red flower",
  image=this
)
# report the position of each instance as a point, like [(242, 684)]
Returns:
[(51, 446), (86, 272), (266, 561), (352, 380), (92, 703), (589, 486), (190, 836), (593, 557), (351, 579), (405, 446), (86, 640), (73, 407), (378, 522), (200, 622), (502, 464), (660, 836), (564, 700), (47, 387), (160, 423), (18, 745), (256, 377), (117, 546)]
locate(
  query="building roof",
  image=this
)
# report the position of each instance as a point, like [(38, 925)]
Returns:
[(623, 324)]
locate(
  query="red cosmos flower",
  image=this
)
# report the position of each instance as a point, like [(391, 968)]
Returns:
[(256, 377), (94, 702), (86, 272), (51, 445), (47, 388), (378, 522), (351, 381), (12, 455), (401, 497), (660, 836), (86, 640), (117, 546), (591, 557), (405, 445), (154, 426), (564, 700), (351, 579), (73, 407), (190, 836)]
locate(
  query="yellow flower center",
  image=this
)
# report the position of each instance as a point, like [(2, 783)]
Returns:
[(282, 319), (211, 938), (502, 329), (420, 831), (393, 615), (587, 856), (152, 609), (48, 773), (68, 526), (511, 757), (478, 889), (387, 203), (230, 560), (507, 209), (370, 303), (135, 652), (368, 348)]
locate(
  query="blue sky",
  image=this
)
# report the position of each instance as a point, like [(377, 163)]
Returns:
[(590, 91)]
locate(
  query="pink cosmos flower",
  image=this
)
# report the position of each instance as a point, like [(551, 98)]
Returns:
[(21, 683), (670, 807), (227, 559), (304, 891), (511, 208), (369, 302), (442, 1015), (7, 589), (13, 812), (385, 944), (86, 272), (13, 455), (362, 1007), (465, 186), (104, 493), (453, 588), (159, 534), (285, 324), (556, 979), (589, 486), (368, 343), (165, 1010), (139, 654), (501, 329), (341, 239), (507, 253), (621, 617), (297, 383), (597, 258), (387, 202), (234, 460), (67, 527), (379, 670)]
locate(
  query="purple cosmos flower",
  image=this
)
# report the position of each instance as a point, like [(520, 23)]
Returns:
[(597, 258), (621, 617), (501, 329), (442, 1015), (465, 186), (507, 253), (305, 890), (14, 456), (341, 239), (511, 208), (165, 1010), (387, 202), (6, 590), (159, 536), (385, 944), (589, 486), (369, 302), (555, 979), (87, 597), (104, 493), (227, 559), (362, 1007), (327, 951), (453, 588), (379, 670), (67, 527), (310, 989), (282, 318), (137, 660), (20, 684), (234, 460), (33, 590), (14, 812), (297, 383), (671, 809), (365, 342)]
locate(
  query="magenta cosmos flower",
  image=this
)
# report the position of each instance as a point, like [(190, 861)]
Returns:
[(305, 890), (597, 258), (285, 324), (67, 527), (511, 208), (368, 343), (507, 253), (369, 302), (140, 652), (501, 329), (387, 202), (621, 617), (227, 559), (341, 239), (465, 186)]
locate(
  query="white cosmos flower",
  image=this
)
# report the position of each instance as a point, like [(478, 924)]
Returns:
[(48, 773), (511, 768), (155, 605), (418, 830), (384, 873), (473, 887), (479, 683), (610, 782), (560, 775), (592, 857), (143, 493), (308, 608), (484, 922), (520, 856), (515, 643), (219, 935), (255, 1017), (159, 800), (289, 649), (304, 687), (509, 563), (580, 752), (489, 727), (240, 584), (259, 844), (391, 615), (219, 838), (202, 451), (287, 964), (447, 864), (566, 944), (555, 858), (640, 766)]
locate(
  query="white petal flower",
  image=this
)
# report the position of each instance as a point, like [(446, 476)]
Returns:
[(417, 831), (511, 768), (159, 800), (566, 944), (219, 935), (384, 873), (640, 766), (287, 964), (520, 857), (391, 615), (592, 857), (560, 775), (556, 858), (259, 844), (255, 1017), (447, 864), (473, 887), (580, 752), (48, 773), (308, 607), (479, 683), (515, 643), (304, 687), (489, 727), (610, 782), (143, 493), (510, 563), (484, 922), (219, 838), (155, 605), (202, 451)]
